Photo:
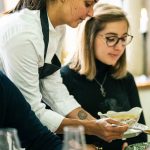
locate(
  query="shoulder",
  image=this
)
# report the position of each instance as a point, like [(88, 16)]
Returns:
[(70, 75), (21, 30), (129, 80), (5, 84), (9, 91), (19, 23), (21, 18), (66, 71), (3, 78), (129, 77)]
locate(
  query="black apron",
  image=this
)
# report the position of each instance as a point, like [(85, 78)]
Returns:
[(47, 69)]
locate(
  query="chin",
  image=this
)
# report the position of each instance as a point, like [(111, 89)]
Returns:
[(74, 25), (112, 63)]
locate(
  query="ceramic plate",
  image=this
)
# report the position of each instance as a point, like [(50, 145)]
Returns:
[(132, 133)]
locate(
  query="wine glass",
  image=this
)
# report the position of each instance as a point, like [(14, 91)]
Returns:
[(9, 139), (148, 147), (74, 138)]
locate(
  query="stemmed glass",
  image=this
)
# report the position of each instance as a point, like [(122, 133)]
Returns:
[(74, 138), (9, 139), (148, 147)]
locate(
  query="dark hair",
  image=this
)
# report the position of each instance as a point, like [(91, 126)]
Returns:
[(30, 4)]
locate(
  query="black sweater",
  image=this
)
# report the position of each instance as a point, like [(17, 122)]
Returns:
[(15, 112), (121, 95)]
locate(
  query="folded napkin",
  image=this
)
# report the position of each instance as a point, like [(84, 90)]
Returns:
[(130, 117)]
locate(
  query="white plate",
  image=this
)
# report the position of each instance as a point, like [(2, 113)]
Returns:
[(132, 133)]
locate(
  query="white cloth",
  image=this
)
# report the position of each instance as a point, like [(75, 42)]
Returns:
[(22, 53)]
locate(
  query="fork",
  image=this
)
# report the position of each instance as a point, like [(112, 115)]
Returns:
[(139, 127)]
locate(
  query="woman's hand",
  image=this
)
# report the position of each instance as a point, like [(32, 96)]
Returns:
[(124, 145), (90, 147), (106, 131)]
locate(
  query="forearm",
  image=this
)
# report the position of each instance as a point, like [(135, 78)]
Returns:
[(80, 113), (101, 128), (88, 125), (78, 117)]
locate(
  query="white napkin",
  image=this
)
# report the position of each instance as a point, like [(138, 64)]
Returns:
[(130, 117)]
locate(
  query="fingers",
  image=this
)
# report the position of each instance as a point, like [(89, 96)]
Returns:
[(117, 126), (124, 145), (90, 147), (110, 132), (109, 136), (113, 121)]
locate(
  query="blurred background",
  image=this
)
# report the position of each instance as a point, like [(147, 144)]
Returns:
[(138, 52)]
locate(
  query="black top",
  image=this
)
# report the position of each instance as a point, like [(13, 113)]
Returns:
[(15, 112), (121, 95)]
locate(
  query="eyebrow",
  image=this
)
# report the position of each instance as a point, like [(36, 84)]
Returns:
[(114, 34)]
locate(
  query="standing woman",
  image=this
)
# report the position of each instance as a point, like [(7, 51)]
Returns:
[(31, 38), (97, 75)]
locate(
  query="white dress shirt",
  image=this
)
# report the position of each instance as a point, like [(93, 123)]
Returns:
[(22, 53)]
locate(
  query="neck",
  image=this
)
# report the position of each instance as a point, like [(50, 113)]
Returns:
[(102, 68), (54, 13)]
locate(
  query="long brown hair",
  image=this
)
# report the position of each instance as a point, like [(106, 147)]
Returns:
[(30, 4), (83, 59)]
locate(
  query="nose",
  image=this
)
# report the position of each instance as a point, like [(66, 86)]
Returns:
[(90, 12), (119, 45)]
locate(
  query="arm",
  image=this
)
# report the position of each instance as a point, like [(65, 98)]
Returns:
[(22, 68), (101, 128), (21, 59), (22, 55), (80, 113), (18, 115)]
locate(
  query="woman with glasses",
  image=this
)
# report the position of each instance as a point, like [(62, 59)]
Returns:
[(97, 75)]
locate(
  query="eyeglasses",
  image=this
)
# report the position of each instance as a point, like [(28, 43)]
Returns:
[(114, 40)]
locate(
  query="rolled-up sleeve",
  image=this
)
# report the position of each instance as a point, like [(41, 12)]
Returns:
[(22, 68), (56, 95)]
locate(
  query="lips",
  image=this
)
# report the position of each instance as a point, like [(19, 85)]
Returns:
[(114, 55)]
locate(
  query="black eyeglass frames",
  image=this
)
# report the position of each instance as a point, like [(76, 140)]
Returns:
[(114, 40)]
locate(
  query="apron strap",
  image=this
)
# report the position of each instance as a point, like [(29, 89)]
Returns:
[(45, 29), (47, 69)]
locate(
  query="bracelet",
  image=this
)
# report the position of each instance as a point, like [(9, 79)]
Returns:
[(98, 148)]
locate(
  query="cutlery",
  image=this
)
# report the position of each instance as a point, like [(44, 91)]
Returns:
[(138, 126), (147, 131)]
